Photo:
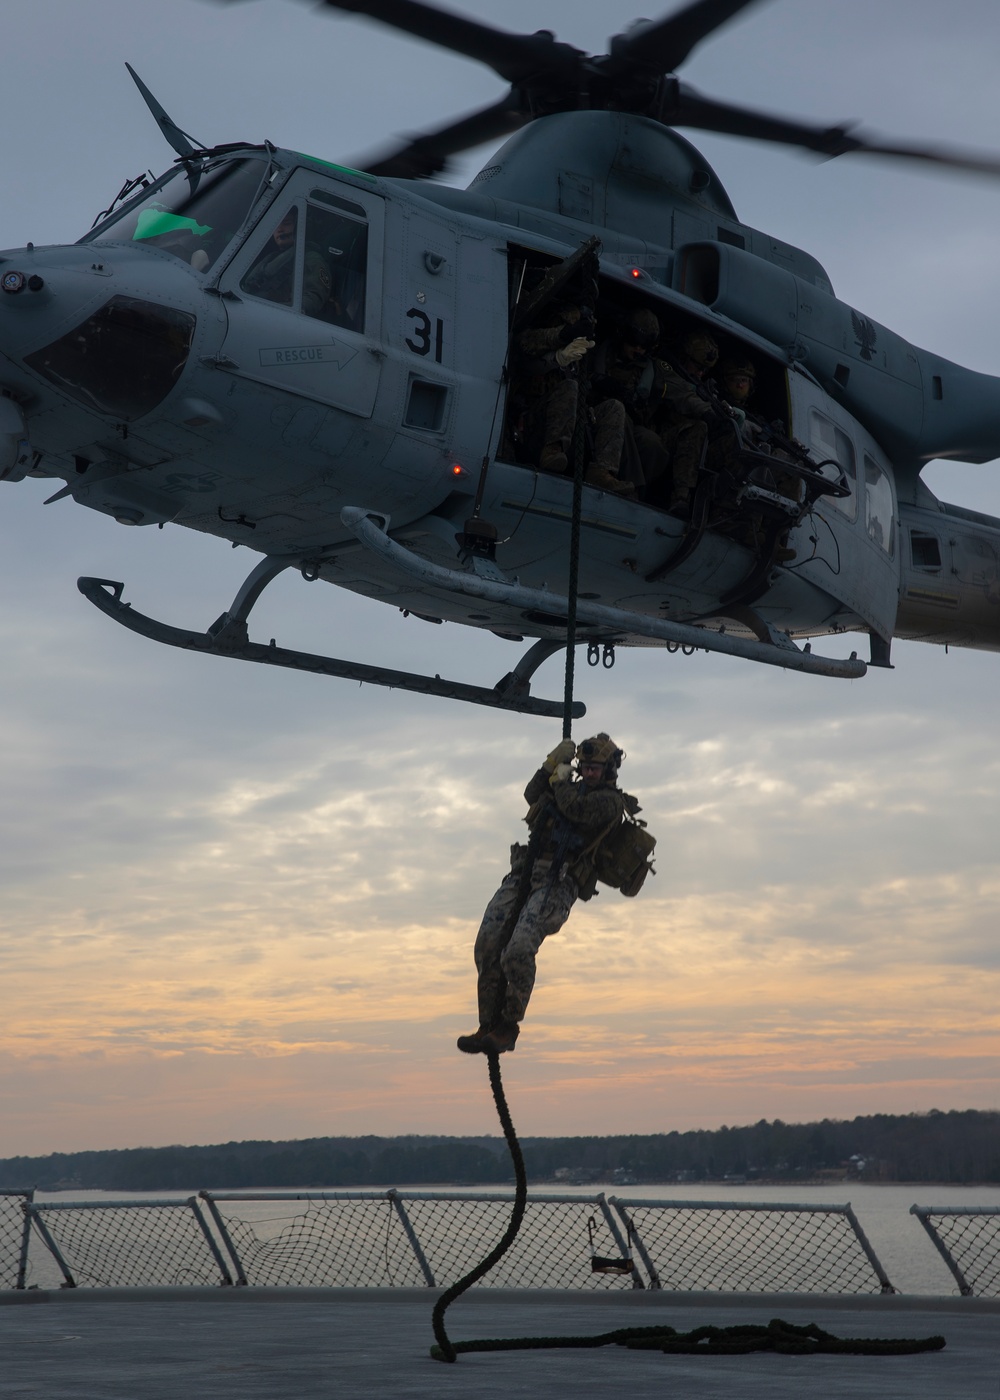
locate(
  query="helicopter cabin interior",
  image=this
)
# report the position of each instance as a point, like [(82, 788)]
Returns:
[(613, 305)]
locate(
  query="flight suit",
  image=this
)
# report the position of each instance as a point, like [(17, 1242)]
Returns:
[(273, 278)]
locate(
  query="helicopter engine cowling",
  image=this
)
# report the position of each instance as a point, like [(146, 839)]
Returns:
[(918, 405)]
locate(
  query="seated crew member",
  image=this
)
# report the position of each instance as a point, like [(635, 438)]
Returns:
[(554, 356), (624, 371), (692, 421), (548, 370), (569, 815), (272, 275), (736, 384)]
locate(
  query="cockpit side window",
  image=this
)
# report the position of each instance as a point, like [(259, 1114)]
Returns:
[(830, 443), (272, 273), (336, 259), (315, 262)]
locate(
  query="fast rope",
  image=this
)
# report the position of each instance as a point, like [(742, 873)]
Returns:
[(778, 1336), (579, 438), (445, 1349)]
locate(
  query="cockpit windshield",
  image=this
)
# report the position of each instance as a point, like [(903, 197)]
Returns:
[(194, 215)]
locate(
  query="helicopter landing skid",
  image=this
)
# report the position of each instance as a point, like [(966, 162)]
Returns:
[(777, 650), (228, 637)]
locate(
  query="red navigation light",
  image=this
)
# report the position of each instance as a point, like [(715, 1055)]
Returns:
[(457, 469), (636, 272)]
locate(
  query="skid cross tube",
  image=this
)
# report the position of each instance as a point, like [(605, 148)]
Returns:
[(781, 651)]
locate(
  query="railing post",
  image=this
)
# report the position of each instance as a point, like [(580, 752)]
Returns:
[(873, 1259), (623, 1246), (32, 1212), (923, 1215), (226, 1276), (220, 1225), (411, 1235), (640, 1248), (22, 1258)]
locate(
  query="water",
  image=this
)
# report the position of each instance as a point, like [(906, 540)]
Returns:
[(898, 1239)]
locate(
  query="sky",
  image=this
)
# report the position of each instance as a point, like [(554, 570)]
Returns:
[(237, 903)]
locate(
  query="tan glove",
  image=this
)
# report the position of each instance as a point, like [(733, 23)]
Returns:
[(564, 752), (562, 774), (574, 351)]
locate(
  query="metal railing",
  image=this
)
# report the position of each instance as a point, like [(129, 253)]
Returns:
[(968, 1240), (15, 1233), (361, 1239)]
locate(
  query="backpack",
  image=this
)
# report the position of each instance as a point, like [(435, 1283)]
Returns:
[(625, 856)]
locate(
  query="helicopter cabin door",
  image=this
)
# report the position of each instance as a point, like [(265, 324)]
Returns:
[(303, 296)]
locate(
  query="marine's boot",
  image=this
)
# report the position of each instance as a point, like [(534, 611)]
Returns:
[(501, 1038), (599, 477), (473, 1044), (553, 458)]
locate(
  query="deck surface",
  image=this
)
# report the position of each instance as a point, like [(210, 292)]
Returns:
[(303, 1344)]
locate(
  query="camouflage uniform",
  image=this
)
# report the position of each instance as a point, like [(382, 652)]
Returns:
[(550, 392), (636, 384), (684, 429), (507, 972)]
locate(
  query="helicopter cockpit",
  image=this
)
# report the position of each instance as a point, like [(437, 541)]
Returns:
[(193, 213)]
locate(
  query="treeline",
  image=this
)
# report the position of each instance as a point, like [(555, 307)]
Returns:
[(941, 1147)]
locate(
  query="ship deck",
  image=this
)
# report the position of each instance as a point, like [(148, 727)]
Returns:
[(303, 1344)]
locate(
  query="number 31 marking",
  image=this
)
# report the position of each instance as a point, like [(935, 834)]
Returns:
[(421, 342)]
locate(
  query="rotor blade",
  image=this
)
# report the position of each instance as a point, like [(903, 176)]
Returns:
[(689, 108), (666, 43), (428, 153), (515, 57)]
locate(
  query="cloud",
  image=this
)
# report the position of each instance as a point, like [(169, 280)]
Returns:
[(237, 903)]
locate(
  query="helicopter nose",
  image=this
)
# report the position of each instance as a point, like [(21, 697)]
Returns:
[(15, 449), (91, 331)]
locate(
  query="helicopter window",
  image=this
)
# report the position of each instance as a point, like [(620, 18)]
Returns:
[(123, 360), (194, 215), (272, 275), (831, 443), (925, 550), (340, 245), (878, 506), (335, 201)]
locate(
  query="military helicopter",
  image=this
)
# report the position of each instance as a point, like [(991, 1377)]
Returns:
[(361, 427)]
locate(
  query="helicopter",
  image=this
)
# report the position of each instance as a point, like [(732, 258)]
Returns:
[(370, 442)]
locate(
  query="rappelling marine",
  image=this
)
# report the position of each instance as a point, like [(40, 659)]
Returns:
[(583, 831)]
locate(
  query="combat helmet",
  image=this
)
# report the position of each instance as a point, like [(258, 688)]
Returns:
[(737, 368), (601, 749), (735, 365), (699, 347), (641, 328)]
